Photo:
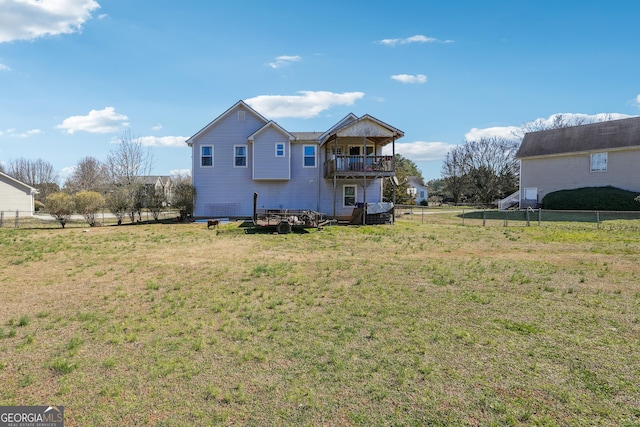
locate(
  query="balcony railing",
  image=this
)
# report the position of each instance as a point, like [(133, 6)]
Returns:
[(359, 166)]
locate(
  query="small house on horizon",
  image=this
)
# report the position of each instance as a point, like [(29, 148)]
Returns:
[(16, 195), (418, 189), (592, 155)]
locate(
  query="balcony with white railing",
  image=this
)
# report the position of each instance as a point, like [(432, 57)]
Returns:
[(359, 166)]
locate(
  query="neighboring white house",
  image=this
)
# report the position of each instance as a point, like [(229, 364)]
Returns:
[(16, 195), (418, 188), (241, 152), (592, 155)]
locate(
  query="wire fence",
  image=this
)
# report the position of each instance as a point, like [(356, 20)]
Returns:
[(522, 218), (39, 219)]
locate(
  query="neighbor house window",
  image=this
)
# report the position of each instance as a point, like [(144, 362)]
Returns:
[(240, 158), (309, 156), (206, 156), (349, 195), (599, 162), (279, 149)]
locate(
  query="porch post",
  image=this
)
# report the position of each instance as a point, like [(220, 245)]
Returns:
[(364, 180), (335, 172)]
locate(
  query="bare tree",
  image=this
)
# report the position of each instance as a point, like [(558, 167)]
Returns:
[(89, 175), (455, 173), (126, 164), (481, 170), (39, 174), (128, 160), (491, 165)]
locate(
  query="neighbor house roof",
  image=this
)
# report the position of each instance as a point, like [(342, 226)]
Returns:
[(609, 135)]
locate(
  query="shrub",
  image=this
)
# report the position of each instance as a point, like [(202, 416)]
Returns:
[(88, 203), (60, 205), (592, 198)]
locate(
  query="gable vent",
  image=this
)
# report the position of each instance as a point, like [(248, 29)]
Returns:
[(241, 116)]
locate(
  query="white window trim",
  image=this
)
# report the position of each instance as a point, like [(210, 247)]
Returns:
[(598, 162), (315, 156), (344, 195), (284, 152), (246, 156), (212, 156)]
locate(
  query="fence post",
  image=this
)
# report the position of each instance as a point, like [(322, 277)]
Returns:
[(528, 210), (598, 219), (484, 217), (17, 217), (462, 216), (1, 218), (506, 219), (423, 214), (539, 215)]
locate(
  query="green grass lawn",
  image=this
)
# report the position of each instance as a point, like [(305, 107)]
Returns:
[(433, 323)]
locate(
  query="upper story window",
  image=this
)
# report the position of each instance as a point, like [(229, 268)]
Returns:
[(240, 157), (206, 156), (599, 162), (309, 156), (279, 149)]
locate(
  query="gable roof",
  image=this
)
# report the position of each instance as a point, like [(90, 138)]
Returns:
[(416, 180), (366, 125), (272, 124), (11, 180), (237, 105), (609, 135)]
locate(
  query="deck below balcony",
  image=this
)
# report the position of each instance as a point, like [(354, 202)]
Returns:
[(359, 167)]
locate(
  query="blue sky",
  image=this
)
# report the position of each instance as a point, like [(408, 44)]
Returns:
[(76, 74)]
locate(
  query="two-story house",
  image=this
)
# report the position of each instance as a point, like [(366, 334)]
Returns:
[(241, 153), (592, 155)]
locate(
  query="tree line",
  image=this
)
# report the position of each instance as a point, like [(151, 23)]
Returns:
[(115, 184)]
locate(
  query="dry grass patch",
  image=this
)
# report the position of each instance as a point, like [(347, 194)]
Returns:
[(411, 324)]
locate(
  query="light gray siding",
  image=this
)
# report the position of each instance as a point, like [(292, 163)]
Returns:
[(266, 165), (15, 196), (549, 174)]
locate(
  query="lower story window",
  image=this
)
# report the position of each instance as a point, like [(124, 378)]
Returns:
[(349, 195)]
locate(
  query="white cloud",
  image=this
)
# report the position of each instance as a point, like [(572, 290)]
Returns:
[(306, 105), (284, 60), (30, 19), (636, 101), (157, 127), (420, 151), (180, 173), (12, 133), (505, 132), (163, 141), (97, 121), (4, 67), (65, 173), (410, 78), (418, 38)]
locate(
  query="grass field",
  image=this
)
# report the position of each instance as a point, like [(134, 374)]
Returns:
[(414, 324)]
